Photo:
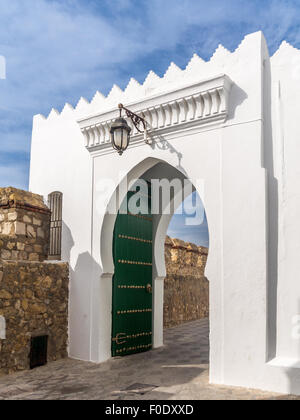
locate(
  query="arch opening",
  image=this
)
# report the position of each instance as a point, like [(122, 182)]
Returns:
[(152, 170), (186, 289)]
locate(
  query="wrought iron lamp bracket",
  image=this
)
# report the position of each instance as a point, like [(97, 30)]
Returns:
[(137, 121)]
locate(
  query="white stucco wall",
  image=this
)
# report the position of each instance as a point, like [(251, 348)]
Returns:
[(60, 163), (285, 65), (248, 164)]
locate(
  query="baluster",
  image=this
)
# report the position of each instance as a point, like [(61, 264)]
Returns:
[(168, 114), (154, 118), (97, 134), (183, 109), (191, 108), (207, 104), (102, 133), (199, 106), (148, 118), (161, 116), (223, 94), (106, 127), (92, 136), (86, 137), (175, 112), (215, 101)]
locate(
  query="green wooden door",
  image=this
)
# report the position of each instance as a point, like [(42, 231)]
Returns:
[(132, 282)]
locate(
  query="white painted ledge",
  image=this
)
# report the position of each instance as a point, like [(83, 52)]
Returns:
[(284, 362), (198, 104)]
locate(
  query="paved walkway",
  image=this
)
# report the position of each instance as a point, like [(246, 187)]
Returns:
[(179, 371)]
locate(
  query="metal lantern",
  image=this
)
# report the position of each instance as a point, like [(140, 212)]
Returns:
[(120, 135), (120, 130)]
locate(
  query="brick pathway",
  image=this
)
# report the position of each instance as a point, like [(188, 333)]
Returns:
[(179, 371)]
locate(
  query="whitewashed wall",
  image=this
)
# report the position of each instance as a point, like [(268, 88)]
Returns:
[(60, 163), (247, 158), (285, 65)]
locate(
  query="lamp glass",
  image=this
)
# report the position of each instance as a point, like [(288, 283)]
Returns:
[(121, 138), (120, 135)]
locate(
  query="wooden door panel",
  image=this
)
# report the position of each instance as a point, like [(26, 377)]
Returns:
[(132, 283)]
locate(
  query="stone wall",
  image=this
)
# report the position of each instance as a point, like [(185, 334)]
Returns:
[(24, 226), (33, 293), (186, 295), (33, 301)]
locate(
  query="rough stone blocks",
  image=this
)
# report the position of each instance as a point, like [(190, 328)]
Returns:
[(33, 301), (24, 226), (186, 294)]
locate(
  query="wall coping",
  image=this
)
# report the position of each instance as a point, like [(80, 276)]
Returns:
[(19, 199), (185, 246)]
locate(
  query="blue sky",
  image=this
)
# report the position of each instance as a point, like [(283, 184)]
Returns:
[(57, 51), (197, 232)]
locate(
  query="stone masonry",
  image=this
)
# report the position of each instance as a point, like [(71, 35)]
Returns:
[(33, 293), (24, 226), (186, 295), (33, 301)]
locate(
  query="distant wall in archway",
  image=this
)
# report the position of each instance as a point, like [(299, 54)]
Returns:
[(186, 294)]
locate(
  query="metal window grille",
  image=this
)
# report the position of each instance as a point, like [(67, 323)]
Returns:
[(55, 205)]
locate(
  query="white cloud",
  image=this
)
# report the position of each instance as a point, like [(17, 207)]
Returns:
[(57, 51)]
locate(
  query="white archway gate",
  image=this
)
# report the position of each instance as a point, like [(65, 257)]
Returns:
[(194, 128), (219, 123), (192, 132)]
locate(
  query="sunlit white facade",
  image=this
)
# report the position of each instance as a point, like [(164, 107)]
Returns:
[(230, 125)]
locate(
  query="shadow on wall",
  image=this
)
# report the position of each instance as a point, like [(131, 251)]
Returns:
[(68, 242), (85, 270), (161, 143), (239, 96), (272, 215)]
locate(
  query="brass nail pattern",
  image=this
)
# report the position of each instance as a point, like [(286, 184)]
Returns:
[(134, 348), (130, 337), (131, 287), (134, 263), (131, 238), (134, 311)]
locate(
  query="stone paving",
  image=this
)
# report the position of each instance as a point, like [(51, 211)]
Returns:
[(178, 371)]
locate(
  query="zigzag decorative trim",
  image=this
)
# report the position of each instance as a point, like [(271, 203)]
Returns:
[(153, 83), (285, 50), (197, 68)]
